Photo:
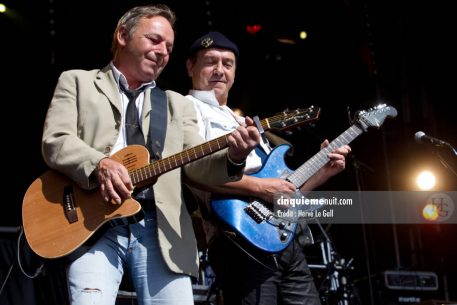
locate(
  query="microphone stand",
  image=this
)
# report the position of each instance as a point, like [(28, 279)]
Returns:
[(443, 161), (449, 167)]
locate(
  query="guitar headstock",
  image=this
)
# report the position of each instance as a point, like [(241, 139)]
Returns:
[(292, 118), (375, 117)]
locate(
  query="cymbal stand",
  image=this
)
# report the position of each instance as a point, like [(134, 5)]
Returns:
[(336, 288)]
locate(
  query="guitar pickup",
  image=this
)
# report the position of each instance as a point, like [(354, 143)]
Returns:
[(69, 205)]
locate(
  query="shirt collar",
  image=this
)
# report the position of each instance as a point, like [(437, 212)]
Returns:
[(206, 96), (120, 78)]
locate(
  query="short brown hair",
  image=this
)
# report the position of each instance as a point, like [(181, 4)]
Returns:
[(132, 17)]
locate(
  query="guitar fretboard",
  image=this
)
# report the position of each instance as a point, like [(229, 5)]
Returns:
[(280, 121), (167, 164), (310, 167), (156, 168)]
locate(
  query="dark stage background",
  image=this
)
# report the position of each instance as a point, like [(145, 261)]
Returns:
[(357, 54)]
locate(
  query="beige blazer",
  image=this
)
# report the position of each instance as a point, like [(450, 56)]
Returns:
[(82, 124)]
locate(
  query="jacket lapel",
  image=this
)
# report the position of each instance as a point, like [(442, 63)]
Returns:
[(107, 84)]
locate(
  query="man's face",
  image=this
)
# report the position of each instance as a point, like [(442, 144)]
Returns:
[(213, 69), (147, 50)]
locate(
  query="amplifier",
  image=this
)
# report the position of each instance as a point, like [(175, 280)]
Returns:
[(394, 287), (408, 287), (411, 280)]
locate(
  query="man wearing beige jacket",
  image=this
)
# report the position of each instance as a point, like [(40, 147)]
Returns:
[(86, 125)]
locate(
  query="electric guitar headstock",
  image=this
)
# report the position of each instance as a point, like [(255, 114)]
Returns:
[(375, 116), (289, 119)]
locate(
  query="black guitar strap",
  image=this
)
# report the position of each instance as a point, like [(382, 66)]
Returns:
[(158, 123)]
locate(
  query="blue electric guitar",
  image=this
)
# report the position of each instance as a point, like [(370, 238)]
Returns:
[(254, 220)]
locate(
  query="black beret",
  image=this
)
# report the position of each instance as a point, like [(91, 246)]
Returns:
[(213, 40)]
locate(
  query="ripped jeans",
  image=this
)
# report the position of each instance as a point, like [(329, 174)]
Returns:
[(94, 278)]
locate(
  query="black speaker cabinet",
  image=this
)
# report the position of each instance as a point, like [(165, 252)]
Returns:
[(395, 287)]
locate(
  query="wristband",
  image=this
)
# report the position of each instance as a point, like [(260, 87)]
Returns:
[(242, 164)]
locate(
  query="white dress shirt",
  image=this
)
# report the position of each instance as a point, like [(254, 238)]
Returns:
[(215, 121)]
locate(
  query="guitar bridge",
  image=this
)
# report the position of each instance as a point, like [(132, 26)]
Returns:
[(69, 205), (258, 211)]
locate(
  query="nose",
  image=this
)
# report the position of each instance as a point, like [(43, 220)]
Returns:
[(218, 69), (162, 48)]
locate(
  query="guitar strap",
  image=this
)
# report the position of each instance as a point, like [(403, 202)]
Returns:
[(158, 123), (261, 130), (228, 235)]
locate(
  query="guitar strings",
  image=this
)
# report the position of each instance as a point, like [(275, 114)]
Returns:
[(160, 166)]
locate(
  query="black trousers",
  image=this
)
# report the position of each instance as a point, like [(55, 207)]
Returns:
[(283, 278)]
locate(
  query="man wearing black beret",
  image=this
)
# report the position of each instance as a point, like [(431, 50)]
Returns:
[(247, 275)]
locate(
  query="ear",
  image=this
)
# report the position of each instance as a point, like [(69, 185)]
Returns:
[(122, 36), (189, 67)]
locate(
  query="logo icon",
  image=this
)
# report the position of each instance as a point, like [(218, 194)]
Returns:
[(439, 207)]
